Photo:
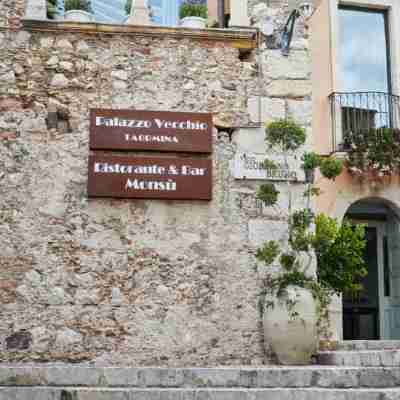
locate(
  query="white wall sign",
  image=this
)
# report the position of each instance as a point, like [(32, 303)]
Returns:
[(251, 166)]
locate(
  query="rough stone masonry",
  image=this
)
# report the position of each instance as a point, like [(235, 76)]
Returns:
[(134, 282)]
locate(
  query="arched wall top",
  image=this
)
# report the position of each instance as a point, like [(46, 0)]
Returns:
[(394, 208)]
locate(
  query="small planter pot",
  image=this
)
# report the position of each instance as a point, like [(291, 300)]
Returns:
[(294, 341), (193, 22), (310, 175), (78, 16)]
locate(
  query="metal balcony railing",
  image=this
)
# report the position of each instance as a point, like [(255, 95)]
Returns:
[(357, 113)]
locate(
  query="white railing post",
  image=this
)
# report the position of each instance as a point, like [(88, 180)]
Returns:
[(140, 13), (36, 9), (239, 13)]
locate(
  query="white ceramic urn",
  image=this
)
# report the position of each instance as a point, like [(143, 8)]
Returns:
[(193, 22), (293, 340), (78, 16)]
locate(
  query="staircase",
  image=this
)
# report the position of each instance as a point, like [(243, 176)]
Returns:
[(66, 382), (363, 353)]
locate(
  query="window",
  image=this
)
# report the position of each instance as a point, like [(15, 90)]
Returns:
[(363, 50)]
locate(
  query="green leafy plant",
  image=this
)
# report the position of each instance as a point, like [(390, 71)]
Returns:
[(269, 164), (268, 194), (331, 168), (83, 5), (268, 252), (193, 8), (302, 219), (338, 248), (286, 134), (311, 160), (51, 9), (287, 260), (128, 6), (373, 153), (312, 191)]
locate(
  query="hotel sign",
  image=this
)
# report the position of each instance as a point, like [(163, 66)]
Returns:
[(150, 178), (150, 130), (251, 166)]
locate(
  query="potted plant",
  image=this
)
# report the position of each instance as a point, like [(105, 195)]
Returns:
[(331, 168), (78, 10), (193, 14), (51, 9), (315, 258), (311, 161)]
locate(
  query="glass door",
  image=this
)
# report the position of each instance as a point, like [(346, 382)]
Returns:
[(361, 312)]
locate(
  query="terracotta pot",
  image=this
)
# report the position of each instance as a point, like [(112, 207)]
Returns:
[(78, 16), (294, 341), (193, 22)]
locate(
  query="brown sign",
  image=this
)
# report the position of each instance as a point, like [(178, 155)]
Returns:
[(150, 130), (150, 178)]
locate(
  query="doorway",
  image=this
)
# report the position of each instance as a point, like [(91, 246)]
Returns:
[(374, 313), (361, 311)]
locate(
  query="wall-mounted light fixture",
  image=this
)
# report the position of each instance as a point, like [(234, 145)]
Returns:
[(305, 11)]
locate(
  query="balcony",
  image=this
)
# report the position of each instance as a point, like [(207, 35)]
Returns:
[(358, 115)]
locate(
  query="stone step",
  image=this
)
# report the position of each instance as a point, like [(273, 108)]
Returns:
[(360, 358), (350, 345), (197, 378), (68, 393)]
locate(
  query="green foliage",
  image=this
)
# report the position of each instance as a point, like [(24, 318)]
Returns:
[(268, 252), (373, 152), (268, 194), (312, 191), (193, 10), (128, 6), (83, 5), (51, 9), (269, 164), (294, 277), (339, 250), (299, 239), (302, 219), (310, 161), (299, 224), (331, 168), (287, 260), (286, 134)]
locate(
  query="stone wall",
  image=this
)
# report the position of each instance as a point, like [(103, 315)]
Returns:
[(11, 12), (132, 282)]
